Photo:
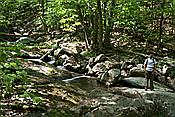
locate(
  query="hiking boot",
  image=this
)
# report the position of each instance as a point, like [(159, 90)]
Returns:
[(146, 89), (152, 89)]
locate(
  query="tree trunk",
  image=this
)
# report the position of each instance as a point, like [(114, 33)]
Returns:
[(95, 32), (105, 20), (160, 27), (41, 2), (100, 36), (110, 25), (81, 18)]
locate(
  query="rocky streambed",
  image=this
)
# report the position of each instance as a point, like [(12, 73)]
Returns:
[(72, 85), (70, 94)]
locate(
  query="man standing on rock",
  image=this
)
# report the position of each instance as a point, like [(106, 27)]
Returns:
[(149, 67)]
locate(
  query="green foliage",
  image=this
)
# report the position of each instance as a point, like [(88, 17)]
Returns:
[(142, 19), (18, 14), (89, 54), (172, 73), (11, 71), (35, 99), (3, 56)]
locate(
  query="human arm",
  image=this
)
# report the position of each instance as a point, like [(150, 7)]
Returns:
[(145, 64), (144, 67), (154, 65)]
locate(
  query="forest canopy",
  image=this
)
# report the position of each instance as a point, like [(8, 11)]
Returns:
[(94, 21)]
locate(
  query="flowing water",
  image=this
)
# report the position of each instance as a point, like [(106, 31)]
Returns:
[(86, 83)]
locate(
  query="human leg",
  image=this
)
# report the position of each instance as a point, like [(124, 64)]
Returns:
[(151, 81), (147, 76)]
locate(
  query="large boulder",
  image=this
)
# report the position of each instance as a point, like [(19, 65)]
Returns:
[(72, 65), (100, 58), (129, 102), (96, 64), (124, 107), (104, 66), (99, 68), (110, 77), (41, 72), (170, 72), (137, 60), (137, 71), (170, 82), (126, 66), (167, 76), (63, 51)]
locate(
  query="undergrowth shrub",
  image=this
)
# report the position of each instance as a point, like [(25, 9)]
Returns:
[(11, 71)]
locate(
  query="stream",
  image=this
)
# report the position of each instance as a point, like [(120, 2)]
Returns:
[(86, 83)]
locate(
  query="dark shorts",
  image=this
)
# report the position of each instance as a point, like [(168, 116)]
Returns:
[(149, 74)]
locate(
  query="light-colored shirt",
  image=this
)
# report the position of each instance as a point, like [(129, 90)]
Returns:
[(150, 64)]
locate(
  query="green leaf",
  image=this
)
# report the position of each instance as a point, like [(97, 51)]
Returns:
[(6, 65), (1, 67), (37, 99), (25, 106), (13, 64), (8, 80), (25, 95), (3, 57)]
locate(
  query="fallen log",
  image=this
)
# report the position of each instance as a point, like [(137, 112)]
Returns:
[(8, 34), (45, 56)]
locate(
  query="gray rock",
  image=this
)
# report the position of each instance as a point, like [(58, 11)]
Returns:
[(126, 65), (114, 74), (91, 62), (129, 66), (89, 70), (64, 57), (70, 60), (136, 72), (100, 58), (162, 79), (110, 77), (104, 78), (132, 102), (137, 60), (25, 40), (110, 65), (70, 67), (107, 65), (140, 82), (170, 82), (41, 39), (58, 62), (99, 68), (63, 51)]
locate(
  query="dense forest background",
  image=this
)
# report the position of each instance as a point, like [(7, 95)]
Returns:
[(104, 26), (96, 22)]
